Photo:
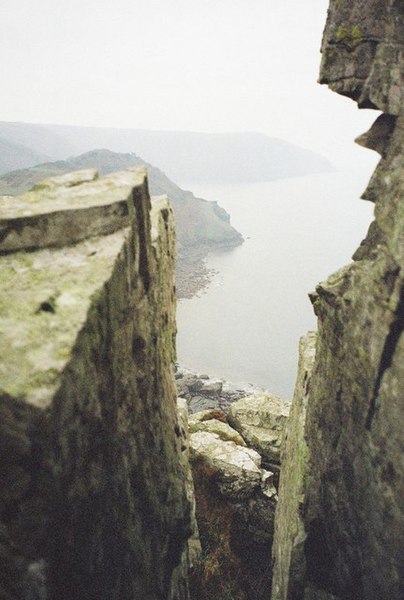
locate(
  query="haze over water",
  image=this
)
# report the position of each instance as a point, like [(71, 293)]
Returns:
[(247, 324)]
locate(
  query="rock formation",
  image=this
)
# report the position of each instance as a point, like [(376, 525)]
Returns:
[(205, 393), (261, 420), (349, 521), (289, 536), (94, 496), (235, 496)]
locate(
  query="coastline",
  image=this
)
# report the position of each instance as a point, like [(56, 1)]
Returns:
[(191, 273)]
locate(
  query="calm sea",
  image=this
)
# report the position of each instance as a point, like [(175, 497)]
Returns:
[(246, 326)]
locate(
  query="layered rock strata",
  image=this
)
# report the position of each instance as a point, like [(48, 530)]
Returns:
[(353, 508), (94, 501)]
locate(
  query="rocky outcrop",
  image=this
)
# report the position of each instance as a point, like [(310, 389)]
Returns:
[(362, 53), (261, 420), (353, 507), (236, 495), (206, 393), (94, 501)]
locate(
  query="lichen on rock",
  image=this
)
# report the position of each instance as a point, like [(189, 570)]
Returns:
[(352, 511), (261, 419), (95, 481), (289, 568), (235, 505)]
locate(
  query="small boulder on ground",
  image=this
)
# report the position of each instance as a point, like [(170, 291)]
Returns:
[(207, 421)]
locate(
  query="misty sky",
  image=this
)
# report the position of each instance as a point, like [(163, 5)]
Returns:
[(201, 65)]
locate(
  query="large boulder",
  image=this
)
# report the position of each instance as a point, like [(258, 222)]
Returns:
[(237, 469), (214, 421), (261, 419), (235, 506)]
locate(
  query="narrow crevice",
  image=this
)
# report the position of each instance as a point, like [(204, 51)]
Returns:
[(396, 329)]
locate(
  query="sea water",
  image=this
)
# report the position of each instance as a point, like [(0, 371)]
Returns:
[(245, 326)]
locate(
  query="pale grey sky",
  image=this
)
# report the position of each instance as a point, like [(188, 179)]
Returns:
[(199, 65)]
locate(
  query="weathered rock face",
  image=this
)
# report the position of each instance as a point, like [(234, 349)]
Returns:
[(362, 52), (288, 548), (353, 510), (192, 552), (93, 501)]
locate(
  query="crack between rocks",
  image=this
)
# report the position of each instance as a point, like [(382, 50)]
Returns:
[(352, 48), (396, 329), (347, 77)]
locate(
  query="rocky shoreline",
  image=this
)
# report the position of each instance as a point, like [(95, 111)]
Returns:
[(203, 392), (191, 273)]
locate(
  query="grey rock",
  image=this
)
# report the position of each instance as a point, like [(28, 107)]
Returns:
[(362, 53), (92, 449), (191, 554), (206, 421), (88, 207), (35, 581), (353, 509), (289, 565), (199, 403), (236, 502), (261, 419), (195, 385), (238, 469), (214, 388)]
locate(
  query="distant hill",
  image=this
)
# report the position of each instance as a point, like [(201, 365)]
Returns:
[(39, 138), (200, 223), (203, 157), (184, 156), (17, 156)]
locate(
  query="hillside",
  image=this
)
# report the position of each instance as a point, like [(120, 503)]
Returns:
[(16, 156), (201, 224), (38, 138), (184, 156)]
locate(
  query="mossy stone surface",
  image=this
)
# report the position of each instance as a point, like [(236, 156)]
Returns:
[(96, 483)]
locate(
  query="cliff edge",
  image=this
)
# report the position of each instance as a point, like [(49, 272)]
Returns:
[(94, 501), (346, 536)]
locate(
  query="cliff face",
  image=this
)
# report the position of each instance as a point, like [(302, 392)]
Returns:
[(289, 533), (362, 52), (352, 508), (93, 501)]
